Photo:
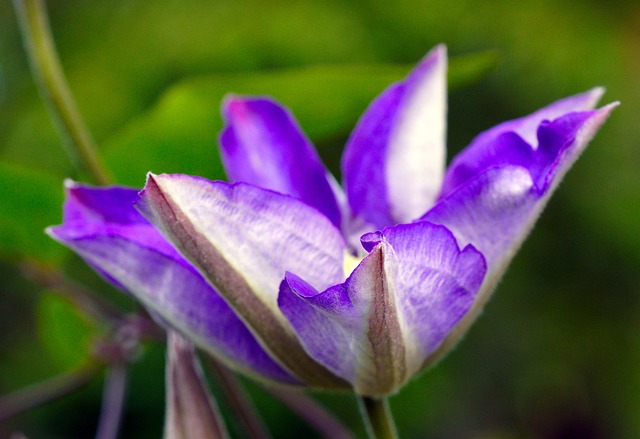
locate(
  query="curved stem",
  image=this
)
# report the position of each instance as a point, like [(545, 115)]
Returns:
[(90, 303), (377, 417), (46, 68), (115, 386), (308, 409), (238, 400), (39, 394)]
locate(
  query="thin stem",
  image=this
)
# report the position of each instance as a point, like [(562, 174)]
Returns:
[(46, 68), (192, 412), (322, 420), (238, 400), (115, 386), (86, 300), (42, 393), (377, 417)]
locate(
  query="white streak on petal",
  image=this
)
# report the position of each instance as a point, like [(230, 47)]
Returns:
[(417, 154)]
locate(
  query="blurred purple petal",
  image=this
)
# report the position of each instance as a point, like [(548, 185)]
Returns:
[(517, 142), (103, 227), (263, 144), (394, 160), (496, 209)]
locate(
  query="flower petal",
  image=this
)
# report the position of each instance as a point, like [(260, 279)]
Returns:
[(103, 227), (243, 239), (394, 160), (351, 328), (263, 144), (513, 142), (495, 210), (399, 304)]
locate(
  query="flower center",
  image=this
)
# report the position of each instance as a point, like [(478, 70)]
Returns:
[(350, 263)]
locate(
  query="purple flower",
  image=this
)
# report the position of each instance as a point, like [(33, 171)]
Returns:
[(287, 277)]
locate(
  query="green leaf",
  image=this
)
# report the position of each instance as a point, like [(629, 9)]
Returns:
[(63, 332), (468, 69), (179, 134), (30, 202)]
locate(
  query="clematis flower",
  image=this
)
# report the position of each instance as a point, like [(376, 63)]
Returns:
[(286, 276)]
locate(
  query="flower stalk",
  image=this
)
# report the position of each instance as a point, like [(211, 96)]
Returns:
[(113, 397), (44, 392), (313, 413), (46, 68), (377, 416), (239, 401)]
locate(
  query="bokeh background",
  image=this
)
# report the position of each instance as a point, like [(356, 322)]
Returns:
[(556, 354)]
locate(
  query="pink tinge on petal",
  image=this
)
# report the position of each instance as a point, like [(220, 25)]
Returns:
[(262, 144)]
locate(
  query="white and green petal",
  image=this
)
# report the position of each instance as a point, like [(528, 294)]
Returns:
[(243, 239)]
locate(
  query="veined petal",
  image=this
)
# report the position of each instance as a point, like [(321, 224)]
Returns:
[(243, 239), (263, 144), (514, 142), (103, 227), (351, 328), (496, 209), (394, 160), (396, 308)]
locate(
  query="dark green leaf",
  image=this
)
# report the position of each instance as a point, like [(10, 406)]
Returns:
[(30, 202), (64, 333), (180, 133)]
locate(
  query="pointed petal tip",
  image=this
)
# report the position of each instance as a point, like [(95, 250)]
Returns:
[(231, 103), (151, 179), (70, 184), (440, 50), (597, 93), (436, 56), (51, 232)]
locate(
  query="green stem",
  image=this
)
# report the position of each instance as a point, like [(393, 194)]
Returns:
[(46, 68), (378, 419)]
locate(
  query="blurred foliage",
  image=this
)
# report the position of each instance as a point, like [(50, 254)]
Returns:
[(557, 352), (64, 333)]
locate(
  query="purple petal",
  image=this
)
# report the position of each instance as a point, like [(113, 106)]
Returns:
[(243, 239), (263, 144), (396, 308), (514, 142), (436, 284), (394, 160), (351, 328), (495, 210), (102, 226)]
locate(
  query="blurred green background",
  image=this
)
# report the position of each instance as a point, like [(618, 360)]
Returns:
[(556, 353)]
